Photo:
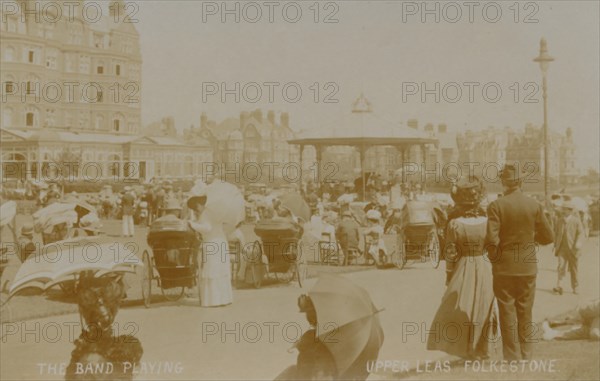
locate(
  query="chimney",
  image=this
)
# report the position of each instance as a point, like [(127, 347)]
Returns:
[(413, 123), (243, 119), (285, 119), (442, 128), (116, 8), (203, 120), (271, 117), (258, 115), (170, 122)]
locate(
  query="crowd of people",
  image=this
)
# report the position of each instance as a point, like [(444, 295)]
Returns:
[(492, 266), (490, 252)]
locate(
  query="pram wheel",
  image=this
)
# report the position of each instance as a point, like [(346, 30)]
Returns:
[(433, 249), (173, 294), (399, 255), (291, 253), (287, 276), (258, 268), (147, 279)]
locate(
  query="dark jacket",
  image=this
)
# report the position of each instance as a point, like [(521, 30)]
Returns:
[(571, 228), (516, 225), (347, 234), (127, 203)]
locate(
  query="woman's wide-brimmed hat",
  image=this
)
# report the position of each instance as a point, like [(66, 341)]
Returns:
[(90, 222), (374, 215), (27, 230), (468, 191), (197, 194)]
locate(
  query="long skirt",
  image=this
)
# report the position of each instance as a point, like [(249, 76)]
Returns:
[(215, 276), (465, 323)]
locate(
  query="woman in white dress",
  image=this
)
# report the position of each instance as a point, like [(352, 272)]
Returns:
[(215, 273)]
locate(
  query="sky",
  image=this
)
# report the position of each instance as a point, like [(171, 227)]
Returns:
[(384, 49)]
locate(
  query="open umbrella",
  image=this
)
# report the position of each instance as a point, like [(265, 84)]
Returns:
[(348, 323), (226, 204), (580, 204), (54, 214), (8, 211), (80, 206), (60, 211), (65, 260), (295, 203)]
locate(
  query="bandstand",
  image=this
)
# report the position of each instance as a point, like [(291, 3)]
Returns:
[(363, 129)]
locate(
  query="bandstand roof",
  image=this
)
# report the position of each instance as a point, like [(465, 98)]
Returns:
[(363, 127)]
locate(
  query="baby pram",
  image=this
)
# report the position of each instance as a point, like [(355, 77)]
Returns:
[(277, 252), (173, 262), (419, 233)]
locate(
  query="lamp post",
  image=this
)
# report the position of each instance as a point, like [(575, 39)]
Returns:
[(544, 60)]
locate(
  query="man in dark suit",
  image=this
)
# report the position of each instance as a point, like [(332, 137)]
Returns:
[(569, 236), (348, 235), (516, 225)]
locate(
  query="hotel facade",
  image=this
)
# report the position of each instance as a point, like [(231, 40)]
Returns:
[(71, 89)]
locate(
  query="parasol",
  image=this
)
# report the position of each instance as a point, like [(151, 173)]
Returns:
[(226, 204), (59, 211), (349, 324), (54, 214), (80, 206), (8, 211), (579, 204), (296, 204), (63, 261)]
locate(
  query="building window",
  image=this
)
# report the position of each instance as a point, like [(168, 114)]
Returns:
[(116, 125), (98, 41), (29, 119), (50, 120), (9, 87), (100, 70), (9, 54), (99, 123), (7, 117), (84, 64), (100, 96), (30, 88), (12, 25), (51, 62), (31, 56), (118, 69)]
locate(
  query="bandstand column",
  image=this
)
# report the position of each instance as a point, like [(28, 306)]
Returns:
[(300, 159), (362, 151), (300, 162), (319, 156)]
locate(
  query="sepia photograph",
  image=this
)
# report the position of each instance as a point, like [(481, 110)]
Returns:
[(299, 190)]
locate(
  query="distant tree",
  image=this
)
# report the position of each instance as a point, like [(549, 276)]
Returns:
[(69, 161)]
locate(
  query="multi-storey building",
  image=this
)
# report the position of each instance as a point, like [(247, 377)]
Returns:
[(495, 147), (249, 139), (71, 81), (70, 72), (164, 127)]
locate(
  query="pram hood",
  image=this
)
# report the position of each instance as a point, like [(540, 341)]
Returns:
[(418, 213), (278, 225), (165, 228)]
